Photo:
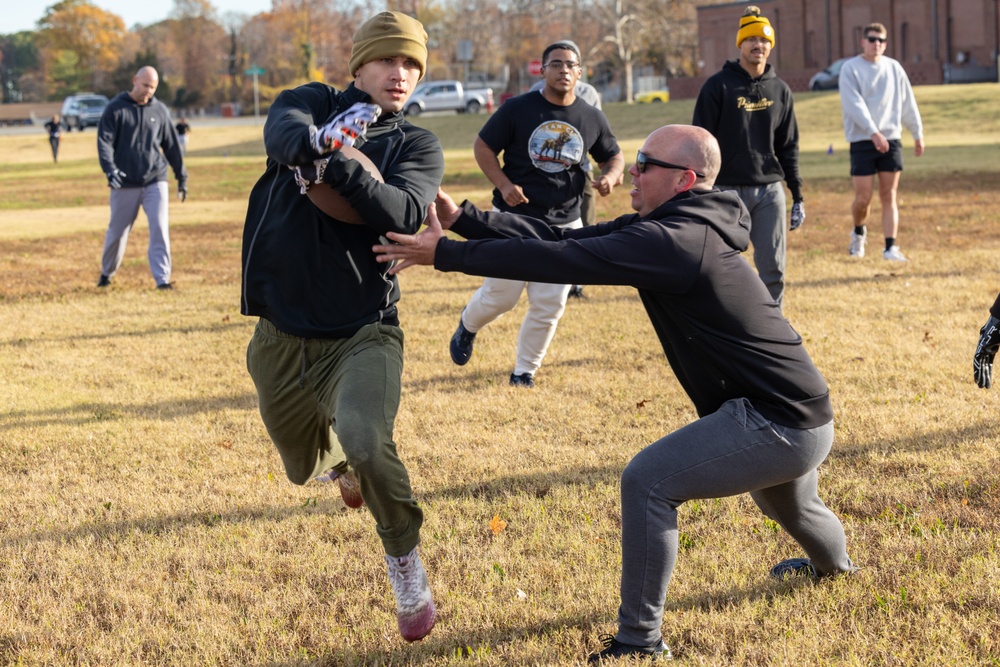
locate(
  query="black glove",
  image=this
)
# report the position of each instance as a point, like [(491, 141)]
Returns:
[(182, 190), (307, 175), (115, 178), (982, 361), (798, 215)]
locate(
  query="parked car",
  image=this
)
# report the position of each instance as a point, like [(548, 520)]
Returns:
[(448, 96), (828, 79), (82, 110), (654, 96)]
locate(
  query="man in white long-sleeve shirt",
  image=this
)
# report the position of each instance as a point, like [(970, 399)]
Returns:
[(878, 102)]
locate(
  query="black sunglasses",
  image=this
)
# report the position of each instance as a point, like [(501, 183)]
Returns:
[(641, 160), (877, 39)]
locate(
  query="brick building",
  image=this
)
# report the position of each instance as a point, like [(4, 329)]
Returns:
[(936, 41)]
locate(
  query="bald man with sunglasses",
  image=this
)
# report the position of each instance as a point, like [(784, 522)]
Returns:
[(765, 417)]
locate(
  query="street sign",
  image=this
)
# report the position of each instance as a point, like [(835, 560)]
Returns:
[(535, 68), (255, 72)]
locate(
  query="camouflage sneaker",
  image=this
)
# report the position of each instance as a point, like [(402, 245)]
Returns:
[(415, 611), (350, 488)]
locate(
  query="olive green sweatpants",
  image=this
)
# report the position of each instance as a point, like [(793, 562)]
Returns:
[(331, 403)]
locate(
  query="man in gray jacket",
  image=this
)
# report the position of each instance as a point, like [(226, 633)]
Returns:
[(135, 143)]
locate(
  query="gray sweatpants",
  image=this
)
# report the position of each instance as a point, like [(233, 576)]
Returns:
[(125, 204), (766, 204), (734, 450)]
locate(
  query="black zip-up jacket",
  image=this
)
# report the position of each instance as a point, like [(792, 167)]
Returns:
[(754, 122), (723, 335), (140, 140), (311, 275)]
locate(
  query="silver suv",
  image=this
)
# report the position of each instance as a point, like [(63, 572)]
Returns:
[(83, 110)]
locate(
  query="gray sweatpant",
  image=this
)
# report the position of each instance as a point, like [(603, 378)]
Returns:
[(734, 450), (766, 204), (125, 204)]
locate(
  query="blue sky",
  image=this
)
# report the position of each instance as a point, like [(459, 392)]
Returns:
[(20, 15)]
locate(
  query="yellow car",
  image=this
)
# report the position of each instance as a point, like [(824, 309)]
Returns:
[(655, 96)]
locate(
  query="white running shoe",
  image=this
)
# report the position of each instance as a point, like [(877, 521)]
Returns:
[(415, 612), (894, 254), (857, 248)]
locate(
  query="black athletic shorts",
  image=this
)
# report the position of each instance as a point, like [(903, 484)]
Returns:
[(865, 160)]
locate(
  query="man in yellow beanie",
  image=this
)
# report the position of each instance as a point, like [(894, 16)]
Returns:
[(326, 356), (750, 111)]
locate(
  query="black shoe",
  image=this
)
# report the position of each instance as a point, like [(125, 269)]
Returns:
[(794, 567), (576, 292), (615, 649), (523, 380), (461, 344), (165, 286), (801, 567), (103, 281)]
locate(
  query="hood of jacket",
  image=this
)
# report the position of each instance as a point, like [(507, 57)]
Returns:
[(721, 210), (734, 67)]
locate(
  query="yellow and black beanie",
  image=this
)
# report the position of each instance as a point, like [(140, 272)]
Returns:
[(752, 24), (387, 35)]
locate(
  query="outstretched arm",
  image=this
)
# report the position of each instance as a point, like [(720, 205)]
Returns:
[(419, 249)]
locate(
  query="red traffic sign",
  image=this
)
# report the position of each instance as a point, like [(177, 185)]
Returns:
[(535, 68)]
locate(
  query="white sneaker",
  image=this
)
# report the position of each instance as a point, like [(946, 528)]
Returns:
[(415, 612), (857, 248), (894, 254)]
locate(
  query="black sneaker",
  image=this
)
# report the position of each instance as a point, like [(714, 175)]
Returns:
[(523, 380), (165, 286), (794, 567), (461, 344), (576, 292), (801, 567), (615, 649), (103, 281)]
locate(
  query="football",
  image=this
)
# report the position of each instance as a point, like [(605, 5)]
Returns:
[(330, 201)]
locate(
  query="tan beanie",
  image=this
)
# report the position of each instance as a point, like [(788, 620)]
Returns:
[(752, 24), (387, 35)]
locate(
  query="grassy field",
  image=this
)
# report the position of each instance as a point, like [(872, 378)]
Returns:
[(145, 518)]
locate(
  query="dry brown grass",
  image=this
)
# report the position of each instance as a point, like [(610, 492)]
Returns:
[(145, 518)]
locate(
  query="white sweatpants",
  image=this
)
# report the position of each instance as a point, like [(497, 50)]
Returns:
[(546, 303)]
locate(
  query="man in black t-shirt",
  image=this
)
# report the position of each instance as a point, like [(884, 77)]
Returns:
[(544, 137)]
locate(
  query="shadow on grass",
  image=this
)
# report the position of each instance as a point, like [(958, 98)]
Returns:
[(875, 278), (101, 411), (479, 650), (241, 323)]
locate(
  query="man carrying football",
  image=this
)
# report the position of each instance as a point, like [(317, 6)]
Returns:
[(327, 352)]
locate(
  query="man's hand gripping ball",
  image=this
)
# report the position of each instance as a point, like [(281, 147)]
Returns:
[(344, 129)]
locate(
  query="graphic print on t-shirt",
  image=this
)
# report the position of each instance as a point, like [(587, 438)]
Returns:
[(555, 146)]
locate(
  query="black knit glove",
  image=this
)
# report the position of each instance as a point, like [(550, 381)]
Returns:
[(982, 361)]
